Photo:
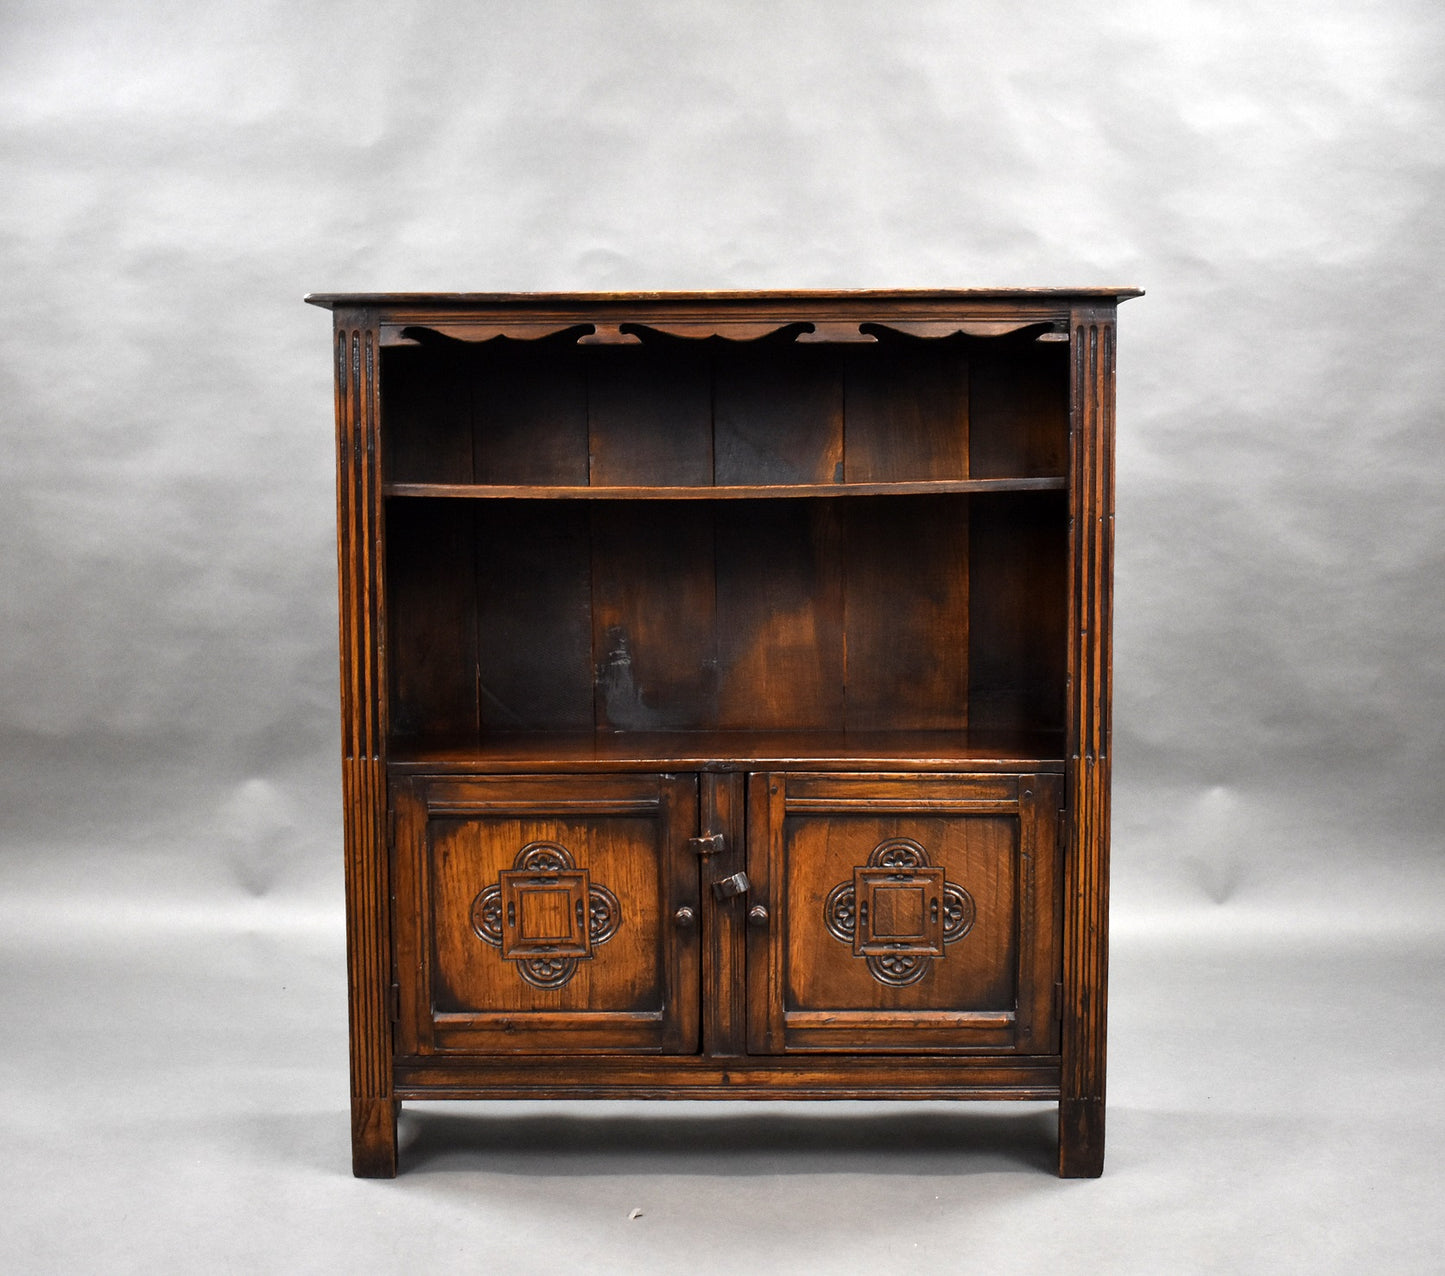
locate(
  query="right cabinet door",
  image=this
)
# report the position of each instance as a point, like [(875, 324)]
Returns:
[(903, 913)]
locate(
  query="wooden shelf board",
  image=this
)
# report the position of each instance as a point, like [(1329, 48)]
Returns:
[(1040, 751), (926, 487)]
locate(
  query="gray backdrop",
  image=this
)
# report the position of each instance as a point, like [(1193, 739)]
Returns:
[(176, 175)]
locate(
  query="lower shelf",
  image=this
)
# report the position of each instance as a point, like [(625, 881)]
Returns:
[(981, 750)]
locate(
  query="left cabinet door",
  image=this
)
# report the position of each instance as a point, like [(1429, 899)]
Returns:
[(546, 914)]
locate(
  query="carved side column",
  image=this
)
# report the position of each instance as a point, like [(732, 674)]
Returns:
[(1086, 870), (363, 707)]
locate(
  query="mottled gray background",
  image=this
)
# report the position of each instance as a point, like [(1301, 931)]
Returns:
[(174, 176)]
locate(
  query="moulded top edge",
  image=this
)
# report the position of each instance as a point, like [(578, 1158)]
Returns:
[(464, 300)]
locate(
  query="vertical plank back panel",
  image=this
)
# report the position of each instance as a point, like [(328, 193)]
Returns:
[(907, 613), (778, 415), (650, 415), (431, 618), (1019, 410), (427, 412), (907, 412), (653, 615), (533, 667), (530, 413), (780, 615), (1018, 645)]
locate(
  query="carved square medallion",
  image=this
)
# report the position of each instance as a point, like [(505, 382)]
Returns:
[(545, 914), (899, 911)]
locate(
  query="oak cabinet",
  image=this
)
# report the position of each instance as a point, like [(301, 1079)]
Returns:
[(725, 694)]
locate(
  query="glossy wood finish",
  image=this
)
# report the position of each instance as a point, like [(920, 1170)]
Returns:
[(990, 840), (725, 684), (1086, 914), (363, 733), (631, 985)]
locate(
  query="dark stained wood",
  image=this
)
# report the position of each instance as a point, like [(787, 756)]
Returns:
[(778, 417), (676, 626), (878, 304), (431, 618), (907, 622), (1017, 641), (735, 492), (780, 640), (529, 414), (427, 407), (498, 752), (534, 664), (363, 735), (650, 415), (654, 637), (1019, 409), (821, 844), (907, 413), (1086, 882), (940, 1076), (724, 970), (633, 988)]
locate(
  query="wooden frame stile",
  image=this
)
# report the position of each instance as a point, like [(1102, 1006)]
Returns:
[(1086, 862), (360, 510)]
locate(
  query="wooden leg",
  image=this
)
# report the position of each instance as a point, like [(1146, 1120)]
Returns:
[(373, 1138), (1081, 1138)]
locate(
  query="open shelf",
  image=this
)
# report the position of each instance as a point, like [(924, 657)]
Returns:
[(1033, 751), (721, 492), (921, 613), (738, 418)]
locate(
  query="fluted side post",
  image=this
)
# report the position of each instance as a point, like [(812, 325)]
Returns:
[(1086, 870), (363, 706)]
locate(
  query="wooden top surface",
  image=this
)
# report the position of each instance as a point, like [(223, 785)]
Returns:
[(472, 300)]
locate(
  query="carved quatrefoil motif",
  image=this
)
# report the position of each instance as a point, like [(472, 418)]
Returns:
[(545, 914), (898, 912)]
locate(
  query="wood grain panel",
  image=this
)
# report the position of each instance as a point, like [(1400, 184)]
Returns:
[(1019, 412), (432, 618), (1086, 884), (533, 588), (650, 414), (635, 988), (427, 410), (990, 986), (529, 414), (1018, 607), (653, 613), (724, 968), (778, 416), (780, 638), (906, 609), (363, 733), (907, 412), (975, 974)]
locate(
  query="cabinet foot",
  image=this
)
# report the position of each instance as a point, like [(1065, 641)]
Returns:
[(373, 1138), (1081, 1138)]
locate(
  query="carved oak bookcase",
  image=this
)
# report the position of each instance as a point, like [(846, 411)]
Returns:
[(725, 697)]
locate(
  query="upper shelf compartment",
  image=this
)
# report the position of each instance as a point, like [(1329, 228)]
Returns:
[(724, 409)]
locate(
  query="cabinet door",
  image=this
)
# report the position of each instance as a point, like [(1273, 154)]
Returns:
[(903, 913), (541, 914)]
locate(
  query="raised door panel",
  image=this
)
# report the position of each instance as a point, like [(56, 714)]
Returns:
[(903, 913), (540, 914)]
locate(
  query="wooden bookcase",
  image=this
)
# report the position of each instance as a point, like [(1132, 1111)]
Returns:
[(725, 697)]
